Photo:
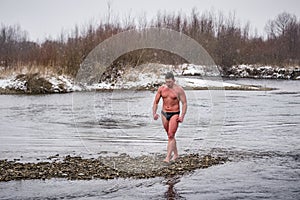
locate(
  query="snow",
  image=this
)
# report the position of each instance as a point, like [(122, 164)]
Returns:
[(4, 83), (150, 75), (145, 76), (194, 83), (61, 81), (58, 83), (266, 72), (11, 83)]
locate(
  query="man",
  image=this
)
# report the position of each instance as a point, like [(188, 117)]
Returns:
[(171, 94)]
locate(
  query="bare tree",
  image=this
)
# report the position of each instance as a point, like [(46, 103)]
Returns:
[(222, 36), (280, 25)]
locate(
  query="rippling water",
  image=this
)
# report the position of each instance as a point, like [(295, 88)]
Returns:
[(257, 130)]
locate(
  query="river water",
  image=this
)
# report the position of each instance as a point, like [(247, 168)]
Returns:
[(258, 131)]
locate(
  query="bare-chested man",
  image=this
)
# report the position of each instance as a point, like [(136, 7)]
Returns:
[(171, 94)]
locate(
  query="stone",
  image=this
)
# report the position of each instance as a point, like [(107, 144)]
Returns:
[(122, 166)]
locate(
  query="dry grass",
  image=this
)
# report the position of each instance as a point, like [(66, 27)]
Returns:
[(33, 69)]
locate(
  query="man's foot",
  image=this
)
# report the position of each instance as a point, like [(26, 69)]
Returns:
[(174, 158), (166, 160)]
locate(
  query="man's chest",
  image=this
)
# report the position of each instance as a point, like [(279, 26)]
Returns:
[(169, 94)]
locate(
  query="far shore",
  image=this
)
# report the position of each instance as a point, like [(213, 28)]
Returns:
[(189, 76)]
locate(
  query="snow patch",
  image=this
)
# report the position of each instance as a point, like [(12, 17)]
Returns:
[(264, 72), (147, 76)]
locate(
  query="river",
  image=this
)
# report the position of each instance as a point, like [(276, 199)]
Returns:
[(257, 130)]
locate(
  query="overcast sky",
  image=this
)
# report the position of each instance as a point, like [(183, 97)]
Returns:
[(48, 18)]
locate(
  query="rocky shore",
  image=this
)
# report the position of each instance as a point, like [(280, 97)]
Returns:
[(264, 72), (148, 77), (122, 166), (35, 83)]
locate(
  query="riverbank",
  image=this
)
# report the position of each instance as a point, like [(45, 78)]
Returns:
[(264, 72), (147, 77), (36, 83)]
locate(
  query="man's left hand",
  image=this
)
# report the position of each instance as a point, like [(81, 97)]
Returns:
[(180, 119)]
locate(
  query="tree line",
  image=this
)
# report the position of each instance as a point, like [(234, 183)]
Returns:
[(225, 40)]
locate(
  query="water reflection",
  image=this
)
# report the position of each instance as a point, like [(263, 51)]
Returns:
[(171, 193)]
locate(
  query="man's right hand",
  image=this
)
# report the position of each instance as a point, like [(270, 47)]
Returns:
[(155, 116)]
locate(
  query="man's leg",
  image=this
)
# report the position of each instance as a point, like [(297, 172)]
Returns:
[(171, 148), (173, 125), (174, 148), (165, 123), (171, 128)]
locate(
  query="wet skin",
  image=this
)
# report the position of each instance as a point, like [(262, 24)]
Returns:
[(172, 94)]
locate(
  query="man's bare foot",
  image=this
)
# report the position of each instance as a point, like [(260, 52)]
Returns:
[(174, 158), (166, 160)]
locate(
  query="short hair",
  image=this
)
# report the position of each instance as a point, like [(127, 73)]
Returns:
[(169, 75)]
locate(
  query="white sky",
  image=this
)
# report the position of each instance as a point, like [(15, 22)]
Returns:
[(48, 18)]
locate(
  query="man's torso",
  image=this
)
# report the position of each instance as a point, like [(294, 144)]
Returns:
[(170, 99)]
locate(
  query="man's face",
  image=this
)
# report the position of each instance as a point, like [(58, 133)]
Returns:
[(170, 82)]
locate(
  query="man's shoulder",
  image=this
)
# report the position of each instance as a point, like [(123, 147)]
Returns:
[(161, 87), (179, 88)]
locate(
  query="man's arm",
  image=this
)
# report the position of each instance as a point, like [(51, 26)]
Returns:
[(155, 104), (183, 100)]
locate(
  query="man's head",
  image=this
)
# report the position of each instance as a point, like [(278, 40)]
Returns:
[(170, 80)]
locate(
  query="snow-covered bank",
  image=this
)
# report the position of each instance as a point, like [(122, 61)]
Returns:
[(143, 77), (35, 84), (264, 72), (189, 76)]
